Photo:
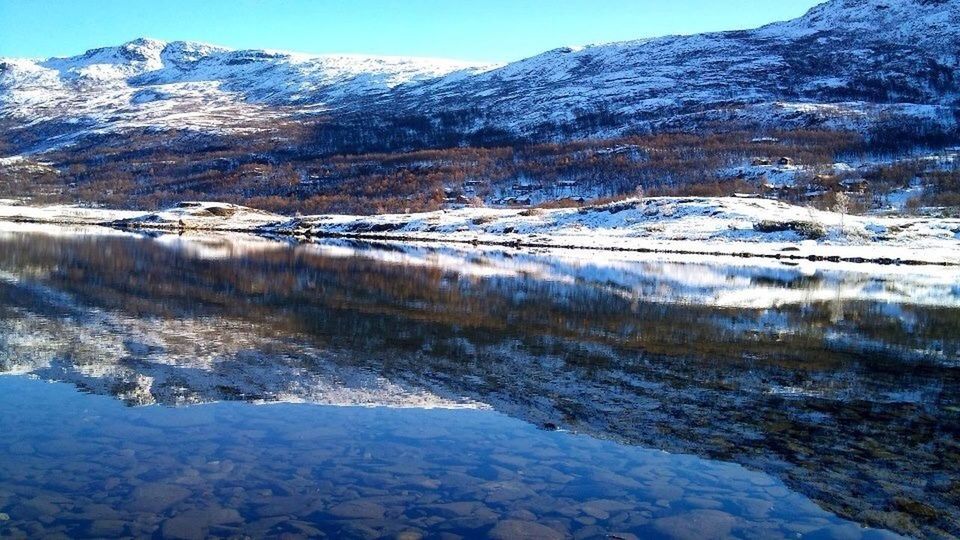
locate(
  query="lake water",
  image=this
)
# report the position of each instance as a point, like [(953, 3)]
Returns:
[(231, 386)]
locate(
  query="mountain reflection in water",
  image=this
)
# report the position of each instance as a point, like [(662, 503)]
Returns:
[(841, 384)]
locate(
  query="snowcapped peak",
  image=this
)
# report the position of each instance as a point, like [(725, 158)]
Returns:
[(147, 51), (864, 12), (108, 63), (566, 50), (142, 50), (918, 18), (836, 5), (189, 52), (144, 45)]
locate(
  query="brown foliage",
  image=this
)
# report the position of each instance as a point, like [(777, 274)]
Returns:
[(278, 171)]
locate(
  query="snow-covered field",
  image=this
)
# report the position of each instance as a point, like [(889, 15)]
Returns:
[(709, 226), (691, 225), (187, 216)]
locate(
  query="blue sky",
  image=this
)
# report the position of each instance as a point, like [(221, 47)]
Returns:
[(491, 30)]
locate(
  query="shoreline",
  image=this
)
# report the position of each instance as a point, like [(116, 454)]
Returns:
[(787, 256), (708, 227)]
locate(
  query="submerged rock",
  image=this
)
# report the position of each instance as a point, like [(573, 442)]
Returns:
[(696, 525), (107, 528), (194, 523), (357, 510), (513, 529), (156, 498)]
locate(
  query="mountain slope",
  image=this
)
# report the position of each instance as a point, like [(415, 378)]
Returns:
[(881, 52), (150, 83), (845, 64)]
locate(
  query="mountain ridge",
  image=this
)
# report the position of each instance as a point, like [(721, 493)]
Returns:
[(845, 64)]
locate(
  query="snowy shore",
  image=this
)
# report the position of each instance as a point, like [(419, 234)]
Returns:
[(744, 227)]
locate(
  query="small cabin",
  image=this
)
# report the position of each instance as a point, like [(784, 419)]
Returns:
[(622, 149), (779, 191), (523, 188), (823, 183), (456, 200), (785, 161), (854, 185)]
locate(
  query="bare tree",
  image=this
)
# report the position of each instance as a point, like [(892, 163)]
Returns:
[(841, 205)]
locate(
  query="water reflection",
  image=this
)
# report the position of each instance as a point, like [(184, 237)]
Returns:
[(361, 473), (844, 385)]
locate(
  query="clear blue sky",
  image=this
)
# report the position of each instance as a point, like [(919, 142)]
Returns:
[(493, 30)]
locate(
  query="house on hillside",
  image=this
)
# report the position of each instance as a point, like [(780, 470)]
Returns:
[(514, 201), (785, 161), (824, 183), (621, 149), (854, 185), (524, 187), (456, 201), (779, 191)]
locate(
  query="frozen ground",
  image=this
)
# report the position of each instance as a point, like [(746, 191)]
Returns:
[(714, 226), (693, 225), (186, 216)]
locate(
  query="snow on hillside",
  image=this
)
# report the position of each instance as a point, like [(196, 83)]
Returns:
[(692, 225), (698, 225), (845, 64), (186, 216), (840, 51), (185, 85), (907, 18)]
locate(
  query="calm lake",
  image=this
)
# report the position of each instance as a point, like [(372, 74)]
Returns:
[(233, 386)]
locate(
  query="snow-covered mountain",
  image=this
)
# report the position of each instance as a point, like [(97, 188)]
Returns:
[(151, 83), (856, 55), (846, 63)]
